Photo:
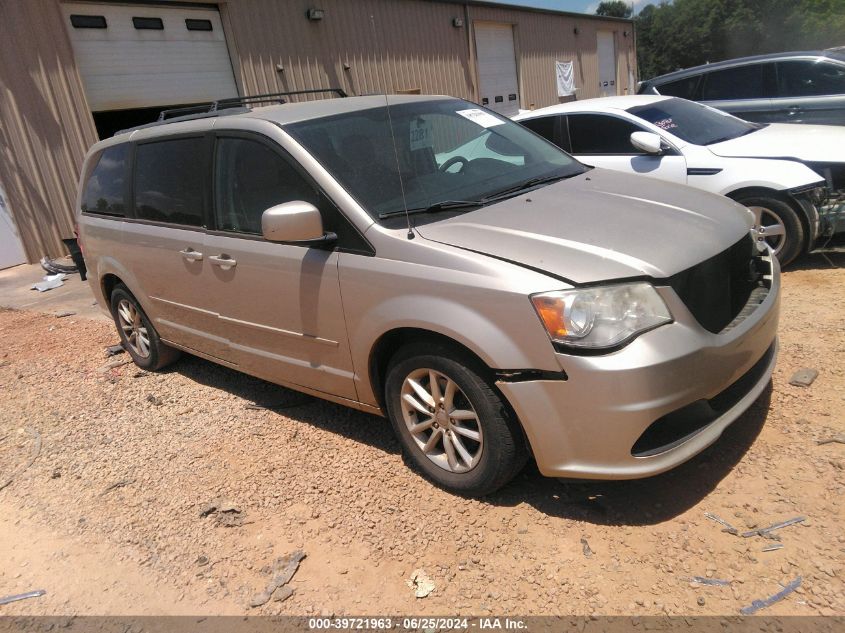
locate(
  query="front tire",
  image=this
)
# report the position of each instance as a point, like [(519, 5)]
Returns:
[(137, 335), (452, 424), (779, 225)]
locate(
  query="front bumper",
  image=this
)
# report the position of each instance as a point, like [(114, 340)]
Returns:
[(590, 425)]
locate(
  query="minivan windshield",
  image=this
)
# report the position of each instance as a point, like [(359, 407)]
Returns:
[(430, 156), (693, 122)]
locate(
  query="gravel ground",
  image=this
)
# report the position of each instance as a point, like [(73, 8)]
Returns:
[(108, 516)]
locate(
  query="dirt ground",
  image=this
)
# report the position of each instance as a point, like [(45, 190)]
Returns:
[(107, 516)]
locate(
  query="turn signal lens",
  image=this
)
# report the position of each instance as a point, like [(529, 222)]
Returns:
[(550, 310)]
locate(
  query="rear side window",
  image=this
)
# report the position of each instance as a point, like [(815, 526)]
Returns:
[(807, 78), (742, 82), (249, 179), (542, 125), (106, 186), (169, 181), (683, 88), (600, 134)]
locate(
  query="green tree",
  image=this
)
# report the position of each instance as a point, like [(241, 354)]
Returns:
[(615, 9), (683, 33)]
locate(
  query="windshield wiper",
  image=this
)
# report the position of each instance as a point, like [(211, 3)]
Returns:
[(722, 139), (450, 205), (528, 184), (443, 205)]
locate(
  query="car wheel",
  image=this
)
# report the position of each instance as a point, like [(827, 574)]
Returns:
[(778, 224), (138, 336), (452, 424)]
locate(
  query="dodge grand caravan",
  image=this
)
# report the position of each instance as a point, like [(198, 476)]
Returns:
[(496, 304)]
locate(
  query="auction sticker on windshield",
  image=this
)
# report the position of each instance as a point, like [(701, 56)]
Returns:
[(421, 135), (482, 118)]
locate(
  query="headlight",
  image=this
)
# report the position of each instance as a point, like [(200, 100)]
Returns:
[(602, 316)]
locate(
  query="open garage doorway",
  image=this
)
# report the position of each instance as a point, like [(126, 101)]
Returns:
[(113, 121), (136, 60)]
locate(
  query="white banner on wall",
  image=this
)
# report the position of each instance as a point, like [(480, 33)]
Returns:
[(565, 79)]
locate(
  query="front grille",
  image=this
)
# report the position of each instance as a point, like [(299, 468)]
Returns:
[(716, 290)]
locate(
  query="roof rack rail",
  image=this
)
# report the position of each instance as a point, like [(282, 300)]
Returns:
[(245, 101)]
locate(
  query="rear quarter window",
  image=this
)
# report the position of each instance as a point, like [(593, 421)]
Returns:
[(542, 125), (105, 188), (686, 88)]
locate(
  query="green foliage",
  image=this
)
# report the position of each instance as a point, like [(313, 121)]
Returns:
[(615, 9), (683, 33)]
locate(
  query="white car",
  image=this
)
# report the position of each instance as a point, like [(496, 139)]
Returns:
[(786, 174)]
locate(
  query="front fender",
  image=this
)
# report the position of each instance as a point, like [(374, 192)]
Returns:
[(493, 319), (778, 175)]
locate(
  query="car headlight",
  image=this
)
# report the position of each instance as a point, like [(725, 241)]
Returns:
[(602, 316)]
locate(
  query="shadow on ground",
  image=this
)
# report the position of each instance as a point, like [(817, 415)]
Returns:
[(355, 425), (818, 261), (636, 502), (641, 501)]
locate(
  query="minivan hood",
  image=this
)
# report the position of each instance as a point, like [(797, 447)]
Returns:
[(816, 143), (600, 225)]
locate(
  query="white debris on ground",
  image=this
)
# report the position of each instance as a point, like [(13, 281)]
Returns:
[(420, 583), (49, 282)]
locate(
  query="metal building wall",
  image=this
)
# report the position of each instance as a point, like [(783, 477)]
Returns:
[(541, 38), (45, 125), (362, 46), (369, 46)]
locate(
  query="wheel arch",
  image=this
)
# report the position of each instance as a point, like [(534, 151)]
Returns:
[(110, 273), (391, 341), (807, 222), (108, 282)]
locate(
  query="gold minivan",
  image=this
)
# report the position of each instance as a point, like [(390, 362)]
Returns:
[(425, 259)]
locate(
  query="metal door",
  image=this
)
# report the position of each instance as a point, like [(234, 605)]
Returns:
[(607, 63), (498, 84)]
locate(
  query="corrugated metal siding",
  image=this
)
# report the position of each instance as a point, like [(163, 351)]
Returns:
[(362, 46), (541, 39), (391, 45), (45, 126)]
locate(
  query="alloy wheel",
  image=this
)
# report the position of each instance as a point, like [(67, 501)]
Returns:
[(441, 420), (133, 328), (768, 226)]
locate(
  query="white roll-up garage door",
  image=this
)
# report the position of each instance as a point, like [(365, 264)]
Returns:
[(137, 56), (498, 86)]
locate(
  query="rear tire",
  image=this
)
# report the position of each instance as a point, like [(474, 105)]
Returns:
[(781, 227), (471, 445), (137, 335)]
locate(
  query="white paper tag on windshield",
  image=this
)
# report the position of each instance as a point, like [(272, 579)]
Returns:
[(482, 118), (421, 135)]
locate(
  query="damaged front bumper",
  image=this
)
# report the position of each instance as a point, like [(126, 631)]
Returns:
[(654, 404)]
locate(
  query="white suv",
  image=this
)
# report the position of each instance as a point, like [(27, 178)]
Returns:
[(781, 172)]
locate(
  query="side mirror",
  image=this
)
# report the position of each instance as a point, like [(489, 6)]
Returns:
[(295, 222), (648, 142)]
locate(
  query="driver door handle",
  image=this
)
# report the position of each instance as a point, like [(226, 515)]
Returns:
[(224, 261), (191, 255)]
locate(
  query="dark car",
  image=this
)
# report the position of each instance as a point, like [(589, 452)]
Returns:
[(804, 87)]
